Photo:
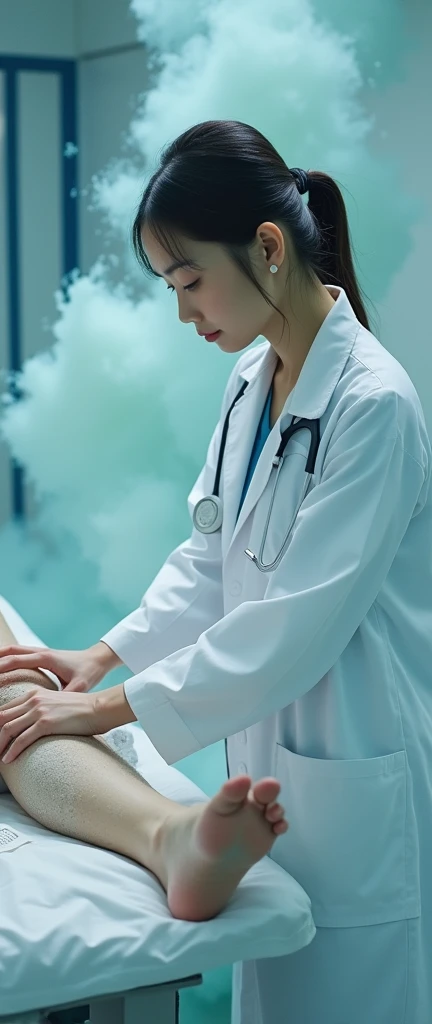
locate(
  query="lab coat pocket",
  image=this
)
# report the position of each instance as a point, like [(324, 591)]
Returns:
[(352, 842)]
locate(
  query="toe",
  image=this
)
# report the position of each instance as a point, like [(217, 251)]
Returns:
[(266, 790), (280, 827), (238, 784), (232, 793), (274, 812)]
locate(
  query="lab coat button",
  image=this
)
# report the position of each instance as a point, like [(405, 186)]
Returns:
[(235, 588), (242, 769)]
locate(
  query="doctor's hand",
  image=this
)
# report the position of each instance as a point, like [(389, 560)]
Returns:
[(78, 671), (41, 712)]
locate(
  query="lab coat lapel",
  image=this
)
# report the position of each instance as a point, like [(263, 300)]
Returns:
[(241, 435), (310, 397)]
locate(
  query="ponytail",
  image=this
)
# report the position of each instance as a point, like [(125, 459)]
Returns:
[(335, 258)]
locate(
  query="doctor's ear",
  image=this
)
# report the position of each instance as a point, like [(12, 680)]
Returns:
[(271, 244)]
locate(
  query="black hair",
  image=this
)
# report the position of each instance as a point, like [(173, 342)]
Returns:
[(219, 180)]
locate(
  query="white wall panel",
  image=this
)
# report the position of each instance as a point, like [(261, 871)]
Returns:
[(110, 83), (5, 476), (39, 198), (104, 24), (39, 202), (38, 27)]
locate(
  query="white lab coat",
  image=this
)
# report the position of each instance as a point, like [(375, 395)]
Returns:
[(319, 673)]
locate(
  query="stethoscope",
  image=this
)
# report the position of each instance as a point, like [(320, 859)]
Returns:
[(208, 512)]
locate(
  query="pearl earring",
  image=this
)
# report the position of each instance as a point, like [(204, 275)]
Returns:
[(274, 269)]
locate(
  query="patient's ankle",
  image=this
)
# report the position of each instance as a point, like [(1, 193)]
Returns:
[(26, 675)]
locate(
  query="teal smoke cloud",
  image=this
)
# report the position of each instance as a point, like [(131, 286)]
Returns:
[(116, 415)]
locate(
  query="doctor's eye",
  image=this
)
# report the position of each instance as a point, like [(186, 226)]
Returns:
[(187, 288)]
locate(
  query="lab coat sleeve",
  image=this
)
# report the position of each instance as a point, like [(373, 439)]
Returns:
[(186, 596), (265, 654)]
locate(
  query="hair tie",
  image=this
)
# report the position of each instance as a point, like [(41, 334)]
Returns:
[(301, 179)]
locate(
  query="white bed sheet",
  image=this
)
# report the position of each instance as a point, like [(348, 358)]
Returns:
[(79, 921)]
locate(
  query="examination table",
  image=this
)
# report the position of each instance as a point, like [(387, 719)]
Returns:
[(80, 925)]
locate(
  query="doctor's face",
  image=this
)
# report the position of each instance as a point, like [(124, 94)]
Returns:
[(218, 296)]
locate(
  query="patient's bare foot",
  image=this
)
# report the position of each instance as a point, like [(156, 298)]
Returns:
[(206, 852)]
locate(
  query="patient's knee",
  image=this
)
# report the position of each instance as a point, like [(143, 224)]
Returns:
[(30, 676), (9, 691)]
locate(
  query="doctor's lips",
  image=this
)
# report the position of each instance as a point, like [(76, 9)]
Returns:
[(209, 337)]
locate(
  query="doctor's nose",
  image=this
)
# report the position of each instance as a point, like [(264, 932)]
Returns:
[(186, 317)]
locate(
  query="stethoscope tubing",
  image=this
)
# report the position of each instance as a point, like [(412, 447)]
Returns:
[(302, 424)]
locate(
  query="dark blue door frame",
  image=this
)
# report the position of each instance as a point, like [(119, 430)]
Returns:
[(66, 70)]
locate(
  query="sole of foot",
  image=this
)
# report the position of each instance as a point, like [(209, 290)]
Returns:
[(206, 852)]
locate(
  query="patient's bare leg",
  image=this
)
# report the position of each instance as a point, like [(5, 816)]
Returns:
[(79, 787)]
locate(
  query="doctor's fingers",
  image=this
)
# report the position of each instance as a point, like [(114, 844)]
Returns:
[(19, 725), (34, 657)]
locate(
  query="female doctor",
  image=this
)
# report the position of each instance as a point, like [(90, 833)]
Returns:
[(296, 620)]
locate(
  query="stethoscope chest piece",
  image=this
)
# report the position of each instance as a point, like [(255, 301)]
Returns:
[(208, 514)]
